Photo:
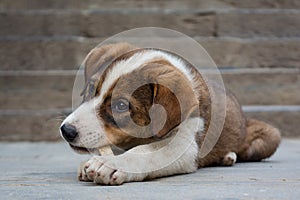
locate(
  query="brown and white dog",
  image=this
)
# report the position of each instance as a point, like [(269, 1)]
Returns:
[(112, 113)]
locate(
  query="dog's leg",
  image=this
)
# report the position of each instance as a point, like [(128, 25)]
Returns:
[(174, 155)]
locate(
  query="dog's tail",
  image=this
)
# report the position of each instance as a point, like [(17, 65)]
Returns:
[(261, 141)]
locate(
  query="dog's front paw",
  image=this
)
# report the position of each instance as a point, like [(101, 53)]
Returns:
[(81, 172), (104, 170)]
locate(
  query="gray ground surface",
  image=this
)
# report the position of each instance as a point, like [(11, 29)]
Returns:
[(48, 171)]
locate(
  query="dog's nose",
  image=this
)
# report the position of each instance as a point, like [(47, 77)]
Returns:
[(69, 132)]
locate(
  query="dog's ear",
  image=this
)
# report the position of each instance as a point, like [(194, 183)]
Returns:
[(95, 63), (173, 91)]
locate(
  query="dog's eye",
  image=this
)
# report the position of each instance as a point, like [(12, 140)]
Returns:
[(120, 106)]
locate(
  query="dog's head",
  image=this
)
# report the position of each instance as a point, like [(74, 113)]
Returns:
[(139, 97)]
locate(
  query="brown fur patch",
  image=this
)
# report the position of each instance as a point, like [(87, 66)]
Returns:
[(158, 89)]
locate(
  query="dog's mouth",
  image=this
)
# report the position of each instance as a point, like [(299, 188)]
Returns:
[(83, 150)]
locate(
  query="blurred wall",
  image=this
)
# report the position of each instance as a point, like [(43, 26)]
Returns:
[(255, 43)]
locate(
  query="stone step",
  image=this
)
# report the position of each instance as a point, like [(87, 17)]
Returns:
[(269, 87), (26, 125), (285, 119), (138, 4), (47, 90), (43, 125), (101, 23), (56, 53), (252, 23), (104, 23), (37, 91)]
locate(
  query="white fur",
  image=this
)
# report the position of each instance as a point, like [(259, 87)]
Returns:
[(232, 156), (90, 128), (175, 155), (230, 159)]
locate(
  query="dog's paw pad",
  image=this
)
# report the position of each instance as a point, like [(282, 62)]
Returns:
[(229, 159), (91, 174)]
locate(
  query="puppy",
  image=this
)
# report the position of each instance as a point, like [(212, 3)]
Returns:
[(158, 108)]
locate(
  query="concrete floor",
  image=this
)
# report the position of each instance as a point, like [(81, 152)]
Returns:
[(48, 171)]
